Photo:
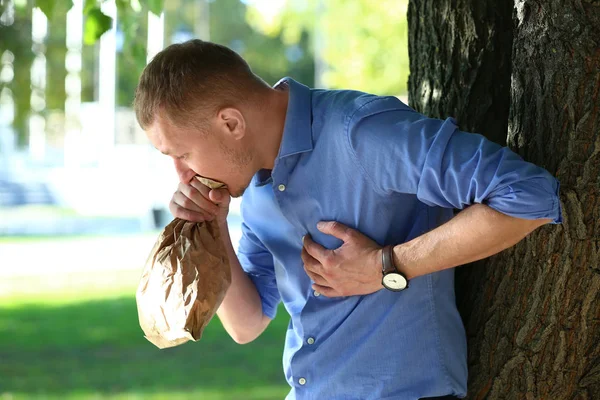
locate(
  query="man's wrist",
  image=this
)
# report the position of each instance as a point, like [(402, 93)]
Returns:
[(222, 225), (400, 261)]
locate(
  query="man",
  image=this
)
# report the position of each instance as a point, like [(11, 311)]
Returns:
[(330, 178)]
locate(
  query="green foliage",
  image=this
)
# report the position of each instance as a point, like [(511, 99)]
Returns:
[(48, 6), (155, 6), (364, 43), (266, 54), (96, 23), (88, 5)]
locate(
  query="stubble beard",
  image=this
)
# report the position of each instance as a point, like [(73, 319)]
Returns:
[(239, 160)]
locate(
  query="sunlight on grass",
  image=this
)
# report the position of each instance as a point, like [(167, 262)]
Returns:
[(67, 288), (70, 238), (260, 393), (78, 337)]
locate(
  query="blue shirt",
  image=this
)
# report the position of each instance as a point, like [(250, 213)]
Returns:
[(378, 166)]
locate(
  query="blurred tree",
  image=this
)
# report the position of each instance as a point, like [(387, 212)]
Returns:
[(15, 37), (362, 43), (132, 29), (56, 51), (270, 56)]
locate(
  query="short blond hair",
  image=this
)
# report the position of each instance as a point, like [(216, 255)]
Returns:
[(189, 77)]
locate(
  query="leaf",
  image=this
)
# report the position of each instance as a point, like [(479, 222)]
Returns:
[(128, 20), (155, 6), (138, 53), (48, 6), (96, 23), (122, 6), (88, 5)]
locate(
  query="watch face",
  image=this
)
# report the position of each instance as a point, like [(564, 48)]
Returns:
[(394, 281)]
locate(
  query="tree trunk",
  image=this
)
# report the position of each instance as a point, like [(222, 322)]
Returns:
[(459, 54), (532, 312), (56, 52), (20, 44)]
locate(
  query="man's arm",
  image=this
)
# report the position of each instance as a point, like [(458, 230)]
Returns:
[(475, 233), (401, 151), (241, 310)]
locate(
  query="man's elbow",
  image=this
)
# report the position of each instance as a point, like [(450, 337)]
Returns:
[(540, 222), (533, 224), (245, 336)]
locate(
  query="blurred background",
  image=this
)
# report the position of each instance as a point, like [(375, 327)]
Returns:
[(83, 195)]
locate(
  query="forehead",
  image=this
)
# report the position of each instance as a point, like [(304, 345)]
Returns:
[(163, 133)]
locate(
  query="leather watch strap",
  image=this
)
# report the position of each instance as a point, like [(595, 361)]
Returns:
[(387, 259)]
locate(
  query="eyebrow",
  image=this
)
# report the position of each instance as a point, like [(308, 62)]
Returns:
[(166, 153)]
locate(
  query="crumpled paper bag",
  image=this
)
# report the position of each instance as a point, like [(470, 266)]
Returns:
[(184, 281)]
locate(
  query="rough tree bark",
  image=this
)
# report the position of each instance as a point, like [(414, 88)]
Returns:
[(460, 62), (532, 312)]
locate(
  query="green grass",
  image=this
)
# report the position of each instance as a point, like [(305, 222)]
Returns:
[(52, 211), (38, 238), (84, 342), (39, 210)]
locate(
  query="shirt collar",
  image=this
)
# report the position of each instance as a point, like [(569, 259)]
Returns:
[(297, 131)]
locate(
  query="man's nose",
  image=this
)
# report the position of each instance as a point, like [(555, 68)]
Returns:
[(185, 174)]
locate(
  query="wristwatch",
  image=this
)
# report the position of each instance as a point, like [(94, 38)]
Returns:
[(393, 279)]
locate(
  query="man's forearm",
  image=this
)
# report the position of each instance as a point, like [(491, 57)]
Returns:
[(241, 310), (476, 232)]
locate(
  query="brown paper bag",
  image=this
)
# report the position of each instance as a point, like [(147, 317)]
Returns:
[(184, 281)]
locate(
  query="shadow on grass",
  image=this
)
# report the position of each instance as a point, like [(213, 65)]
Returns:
[(98, 347)]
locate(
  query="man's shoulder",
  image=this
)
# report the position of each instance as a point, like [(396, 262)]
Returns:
[(353, 105)]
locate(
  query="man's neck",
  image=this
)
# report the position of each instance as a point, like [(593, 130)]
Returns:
[(274, 123)]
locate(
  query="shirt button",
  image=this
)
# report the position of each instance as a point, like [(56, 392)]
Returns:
[(281, 187), (317, 294), (302, 381), (310, 340)]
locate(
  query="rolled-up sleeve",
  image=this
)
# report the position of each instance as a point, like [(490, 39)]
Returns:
[(257, 262), (400, 150)]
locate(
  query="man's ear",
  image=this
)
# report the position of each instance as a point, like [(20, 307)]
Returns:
[(232, 122)]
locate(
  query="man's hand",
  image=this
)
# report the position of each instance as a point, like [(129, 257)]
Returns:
[(198, 203), (352, 269)]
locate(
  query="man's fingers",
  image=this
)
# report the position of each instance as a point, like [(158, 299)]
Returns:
[(199, 186), (317, 251), (337, 229), (310, 262), (183, 201), (198, 198), (188, 215), (325, 290), (220, 197), (311, 266), (316, 278)]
